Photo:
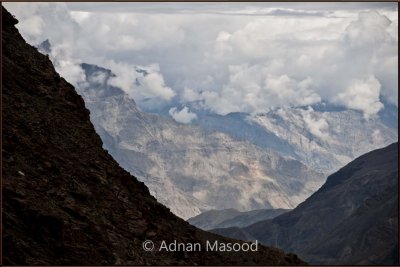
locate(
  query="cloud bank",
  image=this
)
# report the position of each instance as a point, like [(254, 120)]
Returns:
[(227, 58)]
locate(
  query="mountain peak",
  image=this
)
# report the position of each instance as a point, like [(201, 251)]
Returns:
[(45, 46)]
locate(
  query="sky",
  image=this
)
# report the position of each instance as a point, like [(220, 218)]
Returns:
[(226, 57)]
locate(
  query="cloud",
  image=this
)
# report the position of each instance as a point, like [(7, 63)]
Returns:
[(70, 70), (368, 30), (183, 115), (98, 78), (362, 95), (138, 85), (246, 57), (319, 127), (125, 77), (33, 26), (253, 89), (154, 83), (377, 137), (225, 8), (190, 95)]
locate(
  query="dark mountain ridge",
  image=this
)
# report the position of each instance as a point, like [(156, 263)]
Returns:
[(351, 219), (212, 219), (65, 200)]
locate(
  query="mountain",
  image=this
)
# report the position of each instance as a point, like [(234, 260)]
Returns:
[(44, 47), (230, 218), (237, 151), (351, 219), (188, 168), (65, 200), (323, 137)]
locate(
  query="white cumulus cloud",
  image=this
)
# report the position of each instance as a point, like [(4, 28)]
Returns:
[(154, 83), (362, 95), (183, 115)]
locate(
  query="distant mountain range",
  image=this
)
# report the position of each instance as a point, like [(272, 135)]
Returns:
[(171, 157), (188, 168), (230, 218), (351, 219), (323, 137), (240, 161), (234, 161)]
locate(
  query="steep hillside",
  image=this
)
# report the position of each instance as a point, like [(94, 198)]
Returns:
[(65, 200), (352, 219)]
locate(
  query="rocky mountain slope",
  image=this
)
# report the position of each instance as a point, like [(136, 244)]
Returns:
[(65, 200), (327, 140), (351, 219), (230, 218), (322, 137), (186, 167)]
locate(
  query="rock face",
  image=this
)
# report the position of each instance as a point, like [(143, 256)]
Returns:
[(186, 167), (230, 218), (322, 137), (351, 219), (65, 200), (327, 140)]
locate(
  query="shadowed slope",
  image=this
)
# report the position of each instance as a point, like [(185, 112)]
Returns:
[(351, 219)]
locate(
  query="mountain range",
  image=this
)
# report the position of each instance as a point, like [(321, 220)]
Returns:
[(186, 167), (240, 161), (65, 200), (323, 136), (282, 156), (351, 219)]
